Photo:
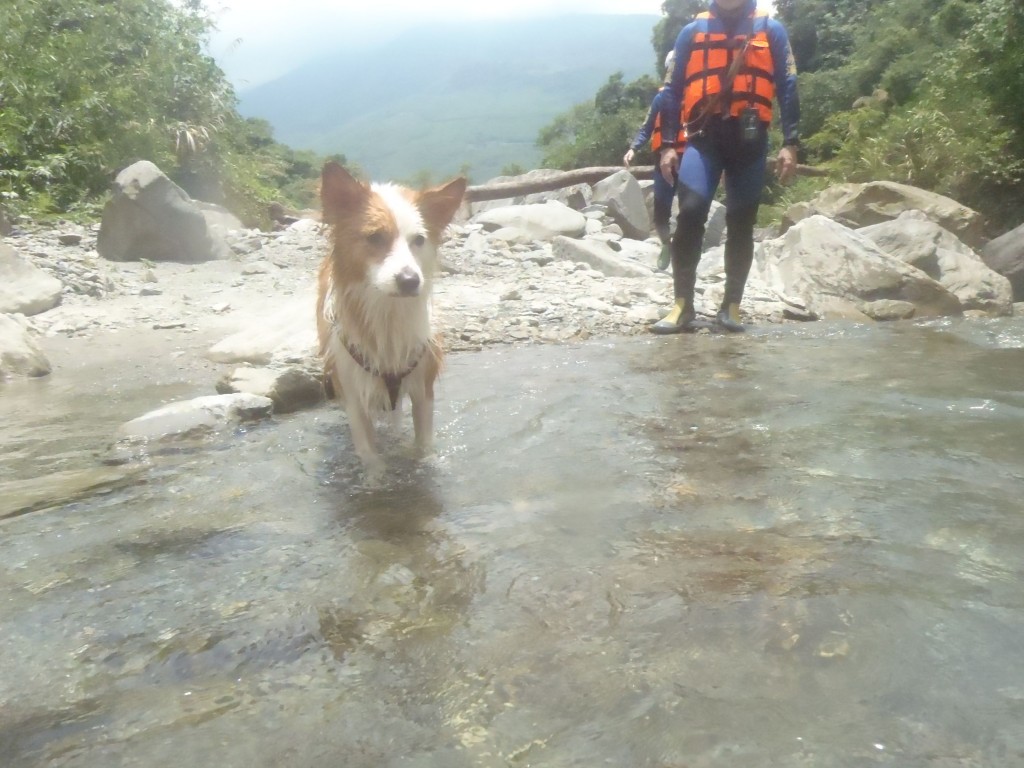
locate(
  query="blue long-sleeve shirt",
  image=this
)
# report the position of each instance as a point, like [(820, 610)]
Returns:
[(782, 59), (647, 129)]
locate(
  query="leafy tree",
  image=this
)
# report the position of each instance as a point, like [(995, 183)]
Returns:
[(989, 59), (930, 95), (598, 133), (88, 86), (823, 33), (676, 15)]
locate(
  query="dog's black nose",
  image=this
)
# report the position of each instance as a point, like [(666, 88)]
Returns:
[(408, 282)]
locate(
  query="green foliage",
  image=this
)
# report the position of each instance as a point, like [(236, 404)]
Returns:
[(823, 94), (87, 88), (676, 14), (989, 61), (777, 199), (598, 133), (927, 92), (823, 33), (940, 90)]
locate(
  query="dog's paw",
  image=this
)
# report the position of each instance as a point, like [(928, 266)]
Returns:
[(373, 470), (423, 451)]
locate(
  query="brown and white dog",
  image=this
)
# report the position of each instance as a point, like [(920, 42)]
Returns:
[(374, 313)]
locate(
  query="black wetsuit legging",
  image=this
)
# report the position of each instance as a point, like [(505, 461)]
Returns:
[(716, 149)]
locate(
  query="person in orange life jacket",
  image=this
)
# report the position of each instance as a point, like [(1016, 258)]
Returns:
[(663, 190), (731, 63)]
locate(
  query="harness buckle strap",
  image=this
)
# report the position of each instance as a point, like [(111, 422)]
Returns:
[(392, 379)]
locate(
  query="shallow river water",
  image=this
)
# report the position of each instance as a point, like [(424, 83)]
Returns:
[(799, 547)]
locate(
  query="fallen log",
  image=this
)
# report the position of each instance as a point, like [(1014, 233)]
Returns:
[(505, 189)]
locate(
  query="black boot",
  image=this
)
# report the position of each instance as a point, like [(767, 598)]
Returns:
[(665, 256), (680, 318), (686, 245), (739, 255), (729, 318)]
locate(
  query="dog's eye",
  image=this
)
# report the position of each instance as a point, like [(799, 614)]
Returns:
[(417, 241), (377, 239)]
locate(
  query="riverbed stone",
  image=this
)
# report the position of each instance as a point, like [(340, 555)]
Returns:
[(624, 200), (1005, 255), (291, 388), (20, 354), (861, 205), (541, 221), (597, 255), (887, 309), (56, 489), (283, 336), (197, 416), (24, 288), (511, 236), (917, 240), (828, 265), (148, 216)]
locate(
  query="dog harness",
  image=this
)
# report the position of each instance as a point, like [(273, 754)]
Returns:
[(392, 380)]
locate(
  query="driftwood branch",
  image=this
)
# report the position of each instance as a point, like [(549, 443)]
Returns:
[(505, 189)]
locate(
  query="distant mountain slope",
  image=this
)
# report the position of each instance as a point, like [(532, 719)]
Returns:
[(448, 96)]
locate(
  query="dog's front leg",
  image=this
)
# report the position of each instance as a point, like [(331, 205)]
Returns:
[(364, 440), (423, 422)]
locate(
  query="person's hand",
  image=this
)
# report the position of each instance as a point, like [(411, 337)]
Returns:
[(669, 164), (628, 158), (785, 164)]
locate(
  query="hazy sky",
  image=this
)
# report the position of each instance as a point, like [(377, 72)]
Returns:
[(257, 39)]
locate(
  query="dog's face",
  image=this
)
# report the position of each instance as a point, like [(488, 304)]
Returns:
[(386, 236)]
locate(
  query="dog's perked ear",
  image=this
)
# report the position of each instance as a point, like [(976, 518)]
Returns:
[(438, 205), (340, 191)]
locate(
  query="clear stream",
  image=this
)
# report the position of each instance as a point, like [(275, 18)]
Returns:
[(799, 547)]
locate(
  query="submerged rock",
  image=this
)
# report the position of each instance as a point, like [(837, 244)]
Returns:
[(201, 414)]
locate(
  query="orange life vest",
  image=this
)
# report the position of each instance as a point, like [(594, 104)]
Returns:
[(656, 136), (710, 58)]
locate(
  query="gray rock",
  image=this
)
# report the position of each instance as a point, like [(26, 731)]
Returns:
[(714, 229), (834, 270), (916, 240), (20, 355), (597, 255), (290, 389), (24, 289), (541, 221), (1005, 255), (150, 217), (197, 416), (511, 236), (285, 335), (861, 205), (886, 309), (624, 199), (577, 196)]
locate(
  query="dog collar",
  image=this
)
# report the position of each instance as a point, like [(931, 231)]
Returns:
[(392, 380)]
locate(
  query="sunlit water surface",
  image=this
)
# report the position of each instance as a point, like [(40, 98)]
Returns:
[(799, 547)]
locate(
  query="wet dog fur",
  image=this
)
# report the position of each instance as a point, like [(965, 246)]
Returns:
[(374, 314)]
